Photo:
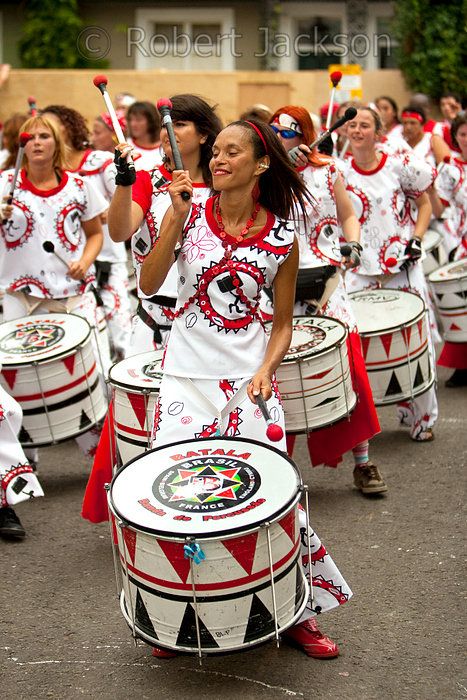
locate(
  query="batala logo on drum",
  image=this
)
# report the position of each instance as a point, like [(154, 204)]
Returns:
[(31, 339), (206, 484), (153, 370)]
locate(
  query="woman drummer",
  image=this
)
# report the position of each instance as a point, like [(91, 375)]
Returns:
[(318, 236), (218, 356), (383, 187), (136, 212), (52, 205)]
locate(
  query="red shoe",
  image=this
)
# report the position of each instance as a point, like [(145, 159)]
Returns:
[(307, 636), (160, 653)]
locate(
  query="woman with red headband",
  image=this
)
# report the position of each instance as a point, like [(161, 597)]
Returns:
[(318, 236), (427, 146), (218, 355), (384, 188)]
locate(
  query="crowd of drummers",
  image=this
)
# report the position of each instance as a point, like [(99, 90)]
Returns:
[(221, 269)]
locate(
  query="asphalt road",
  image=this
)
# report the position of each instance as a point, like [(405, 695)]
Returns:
[(401, 636)]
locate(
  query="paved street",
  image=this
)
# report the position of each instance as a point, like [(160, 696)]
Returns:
[(401, 636)]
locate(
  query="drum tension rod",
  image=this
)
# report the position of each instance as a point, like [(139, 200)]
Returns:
[(267, 526)]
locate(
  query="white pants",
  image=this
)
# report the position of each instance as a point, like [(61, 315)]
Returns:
[(116, 300)]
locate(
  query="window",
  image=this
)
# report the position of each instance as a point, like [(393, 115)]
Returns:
[(183, 39), (383, 44)]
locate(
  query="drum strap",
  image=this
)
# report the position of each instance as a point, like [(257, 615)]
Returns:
[(222, 415), (151, 323)]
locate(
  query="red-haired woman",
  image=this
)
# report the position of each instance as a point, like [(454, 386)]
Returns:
[(318, 236)]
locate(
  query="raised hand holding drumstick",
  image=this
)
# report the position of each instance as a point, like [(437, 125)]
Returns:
[(164, 105), (6, 208)]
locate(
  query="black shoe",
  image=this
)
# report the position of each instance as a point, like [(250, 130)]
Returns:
[(459, 378), (10, 524)]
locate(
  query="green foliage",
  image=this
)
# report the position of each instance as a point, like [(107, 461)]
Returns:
[(50, 36), (432, 44)]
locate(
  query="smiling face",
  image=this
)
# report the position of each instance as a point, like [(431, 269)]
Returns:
[(187, 137), (40, 150), (361, 131), (233, 164)]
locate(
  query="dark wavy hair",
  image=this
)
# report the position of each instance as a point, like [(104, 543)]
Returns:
[(194, 109), (74, 123), (393, 104), (459, 121), (148, 110), (281, 189)]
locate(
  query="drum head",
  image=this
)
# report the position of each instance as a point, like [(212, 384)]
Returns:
[(431, 239), (381, 310), (313, 335), (141, 371), (41, 337), (204, 488), (448, 273)]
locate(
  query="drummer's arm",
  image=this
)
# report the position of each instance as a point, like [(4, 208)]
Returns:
[(281, 334), (157, 264), (437, 204), (424, 215), (94, 238), (345, 213)]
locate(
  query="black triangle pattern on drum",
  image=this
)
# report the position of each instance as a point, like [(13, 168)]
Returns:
[(260, 621), (142, 618), (435, 254), (394, 387), (84, 421), (329, 400), (439, 296), (418, 376), (24, 435), (187, 633), (462, 294)]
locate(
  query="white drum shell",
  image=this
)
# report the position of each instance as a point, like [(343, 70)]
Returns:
[(449, 286), (435, 253)]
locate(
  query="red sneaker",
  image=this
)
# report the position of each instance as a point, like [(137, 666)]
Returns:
[(160, 653), (307, 636)]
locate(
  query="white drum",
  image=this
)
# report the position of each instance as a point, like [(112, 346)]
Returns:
[(449, 286), (49, 367), (393, 330), (314, 377), (135, 381), (241, 580), (435, 254)]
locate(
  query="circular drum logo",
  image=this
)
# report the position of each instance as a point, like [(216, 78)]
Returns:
[(29, 339), (206, 484)]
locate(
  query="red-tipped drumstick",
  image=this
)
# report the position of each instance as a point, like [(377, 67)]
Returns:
[(274, 432), (164, 105), (32, 106), (23, 138), (100, 81), (335, 78)]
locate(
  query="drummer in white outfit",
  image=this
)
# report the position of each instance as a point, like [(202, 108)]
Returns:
[(218, 357), (382, 187), (144, 126)]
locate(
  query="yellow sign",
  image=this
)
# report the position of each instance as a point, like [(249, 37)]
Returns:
[(350, 85)]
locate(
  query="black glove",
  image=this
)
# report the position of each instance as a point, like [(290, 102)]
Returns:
[(326, 146), (352, 251), (126, 174), (413, 250)]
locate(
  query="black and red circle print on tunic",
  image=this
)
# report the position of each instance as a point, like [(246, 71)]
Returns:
[(220, 290), (68, 225)]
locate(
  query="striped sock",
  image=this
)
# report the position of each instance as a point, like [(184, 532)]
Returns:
[(360, 453)]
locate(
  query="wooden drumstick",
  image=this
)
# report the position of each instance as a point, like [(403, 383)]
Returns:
[(24, 137), (274, 432), (100, 81)]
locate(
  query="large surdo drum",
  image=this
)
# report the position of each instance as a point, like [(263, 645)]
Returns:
[(49, 367), (237, 501), (449, 285), (396, 348)]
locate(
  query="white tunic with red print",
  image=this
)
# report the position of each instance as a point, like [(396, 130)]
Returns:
[(451, 185), (382, 201), (53, 215), (148, 158)]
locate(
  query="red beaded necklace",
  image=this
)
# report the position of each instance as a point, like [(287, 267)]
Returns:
[(223, 233)]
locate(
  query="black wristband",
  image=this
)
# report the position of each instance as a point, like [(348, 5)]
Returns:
[(126, 175)]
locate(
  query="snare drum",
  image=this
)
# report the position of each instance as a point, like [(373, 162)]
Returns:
[(449, 285), (49, 367), (314, 377), (222, 496), (435, 254), (136, 383), (393, 330)]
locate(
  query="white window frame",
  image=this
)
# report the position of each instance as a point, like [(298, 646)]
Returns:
[(376, 10), (294, 11), (186, 16)]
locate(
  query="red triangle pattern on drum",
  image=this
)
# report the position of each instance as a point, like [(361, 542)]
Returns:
[(406, 333), (69, 363), (288, 525), (139, 407), (386, 339), (10, 376), (453, 327), (420, 326), (320, 375), (176, 556), (365, 344), (243, 550), (129, 537)]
